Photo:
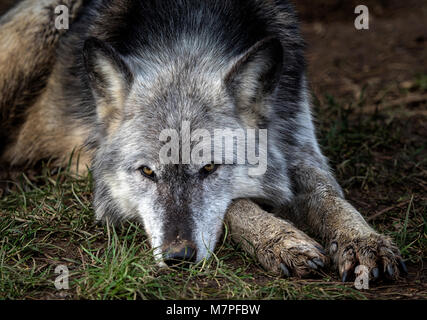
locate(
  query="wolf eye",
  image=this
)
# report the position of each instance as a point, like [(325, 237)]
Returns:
[(149, 173), (209, 168)]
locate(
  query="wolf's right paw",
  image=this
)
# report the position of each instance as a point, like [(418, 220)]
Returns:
[(291, 253)]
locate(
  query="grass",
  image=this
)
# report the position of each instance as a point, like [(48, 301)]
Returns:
[(46, 221)]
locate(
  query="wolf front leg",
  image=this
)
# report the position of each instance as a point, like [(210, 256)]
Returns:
[(278, 245), (351, 241)]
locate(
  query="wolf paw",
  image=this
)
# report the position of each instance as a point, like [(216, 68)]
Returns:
[(292, 253), (375, 251)]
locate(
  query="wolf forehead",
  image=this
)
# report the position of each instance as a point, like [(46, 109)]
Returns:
[(174, 94), (175, 99), (170, 117)]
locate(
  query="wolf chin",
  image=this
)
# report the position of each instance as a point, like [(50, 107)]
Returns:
[(127, 70)]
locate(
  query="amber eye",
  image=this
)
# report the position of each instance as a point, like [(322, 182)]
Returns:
[(209, 168), (146, 171)]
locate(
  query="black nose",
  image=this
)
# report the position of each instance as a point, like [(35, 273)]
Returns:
[(177, 255)]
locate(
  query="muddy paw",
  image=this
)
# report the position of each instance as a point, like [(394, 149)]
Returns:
[(375, 251), (291, 253), (279, 246)]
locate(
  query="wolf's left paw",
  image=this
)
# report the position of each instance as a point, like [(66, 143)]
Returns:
[(374, 251)]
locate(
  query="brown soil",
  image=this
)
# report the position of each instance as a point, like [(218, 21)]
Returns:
[(343, 60)]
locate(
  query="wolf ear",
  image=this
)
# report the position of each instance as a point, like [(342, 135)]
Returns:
[(254, 77), (109, 78)]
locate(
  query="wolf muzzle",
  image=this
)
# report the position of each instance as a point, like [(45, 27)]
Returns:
[(180, 252)]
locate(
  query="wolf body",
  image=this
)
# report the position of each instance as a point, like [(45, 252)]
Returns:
[(127, 70)]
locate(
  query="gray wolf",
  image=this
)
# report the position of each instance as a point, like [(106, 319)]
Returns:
[(127, 70)]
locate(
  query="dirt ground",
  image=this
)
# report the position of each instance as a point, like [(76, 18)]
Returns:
[(343, 60)]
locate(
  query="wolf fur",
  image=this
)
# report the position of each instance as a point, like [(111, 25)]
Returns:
[(128, 69)]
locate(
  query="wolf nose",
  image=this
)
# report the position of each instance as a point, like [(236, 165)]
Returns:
[(178, 254)]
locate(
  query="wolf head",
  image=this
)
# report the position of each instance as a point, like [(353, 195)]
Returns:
[(157, 117)]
